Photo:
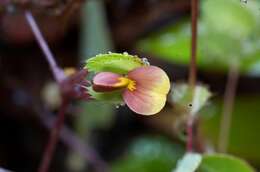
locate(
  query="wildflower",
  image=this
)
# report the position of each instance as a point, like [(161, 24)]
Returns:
[(144, 89)]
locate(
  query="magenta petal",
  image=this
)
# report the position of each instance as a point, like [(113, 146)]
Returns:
[(105, 81), (152, 87)]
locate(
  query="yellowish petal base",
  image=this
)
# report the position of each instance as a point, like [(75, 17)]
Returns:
[(126, 83)]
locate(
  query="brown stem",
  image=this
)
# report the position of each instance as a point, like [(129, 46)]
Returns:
[(194, 21), (229, 97), (69, 138), (54, 135), (57, 72), (193, 68), (189, 131)]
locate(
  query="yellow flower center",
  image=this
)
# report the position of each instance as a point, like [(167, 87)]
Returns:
[(126, 83)]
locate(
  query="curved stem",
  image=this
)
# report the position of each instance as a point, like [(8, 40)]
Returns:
[(229, 98), (54, 135), (57, 72)]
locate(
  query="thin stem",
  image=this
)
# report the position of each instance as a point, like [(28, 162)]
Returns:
[(189, 131), (54, 135), (57, 72), (229, 97), (194, 23), (193, 68), (69, 138)]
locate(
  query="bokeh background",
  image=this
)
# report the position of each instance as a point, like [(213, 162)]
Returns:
[(115, 137)]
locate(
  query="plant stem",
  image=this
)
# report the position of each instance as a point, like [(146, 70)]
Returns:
[(189, 131), (70, 139), (54, 135), (57, 72), (229, 97), (194, 23), (193, 68)]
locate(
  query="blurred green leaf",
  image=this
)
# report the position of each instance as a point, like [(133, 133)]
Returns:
[(150, 154), (189, 163), (244, 139), (113, 62), (227, 33), (172, 44), (95, 35), (188, 100), (95, 114), (223, 163), (228, 17)]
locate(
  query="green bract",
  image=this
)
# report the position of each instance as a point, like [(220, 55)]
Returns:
[(110, 97), (114, 62)]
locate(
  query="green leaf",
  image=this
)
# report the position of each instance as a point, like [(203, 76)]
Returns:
[(220, 42), (113, 97), (187, 100), (189, 163), (229, 17), (171, 44), (95, 115), (244, 139), (149, 154), (114, 62), (223, 163)]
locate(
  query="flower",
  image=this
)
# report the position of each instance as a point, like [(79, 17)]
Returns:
[(144, 89)]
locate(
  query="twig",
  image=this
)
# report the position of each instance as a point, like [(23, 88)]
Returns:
[(229, 97), (73, 142), (67, 88), (54, 135), (194, 21), (60, 77), (193, 69), (67, 136), (57, 72), (189, 131)]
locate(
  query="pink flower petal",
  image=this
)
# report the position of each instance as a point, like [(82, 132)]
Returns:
[(105, 81), (152, 87)]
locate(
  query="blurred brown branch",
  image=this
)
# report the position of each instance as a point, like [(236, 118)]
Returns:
[(73, 142), (55, 131), (68, 87), (56, 70)]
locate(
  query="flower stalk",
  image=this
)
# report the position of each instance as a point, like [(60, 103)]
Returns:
[(49, 150), (194, 23), (193, 68)]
